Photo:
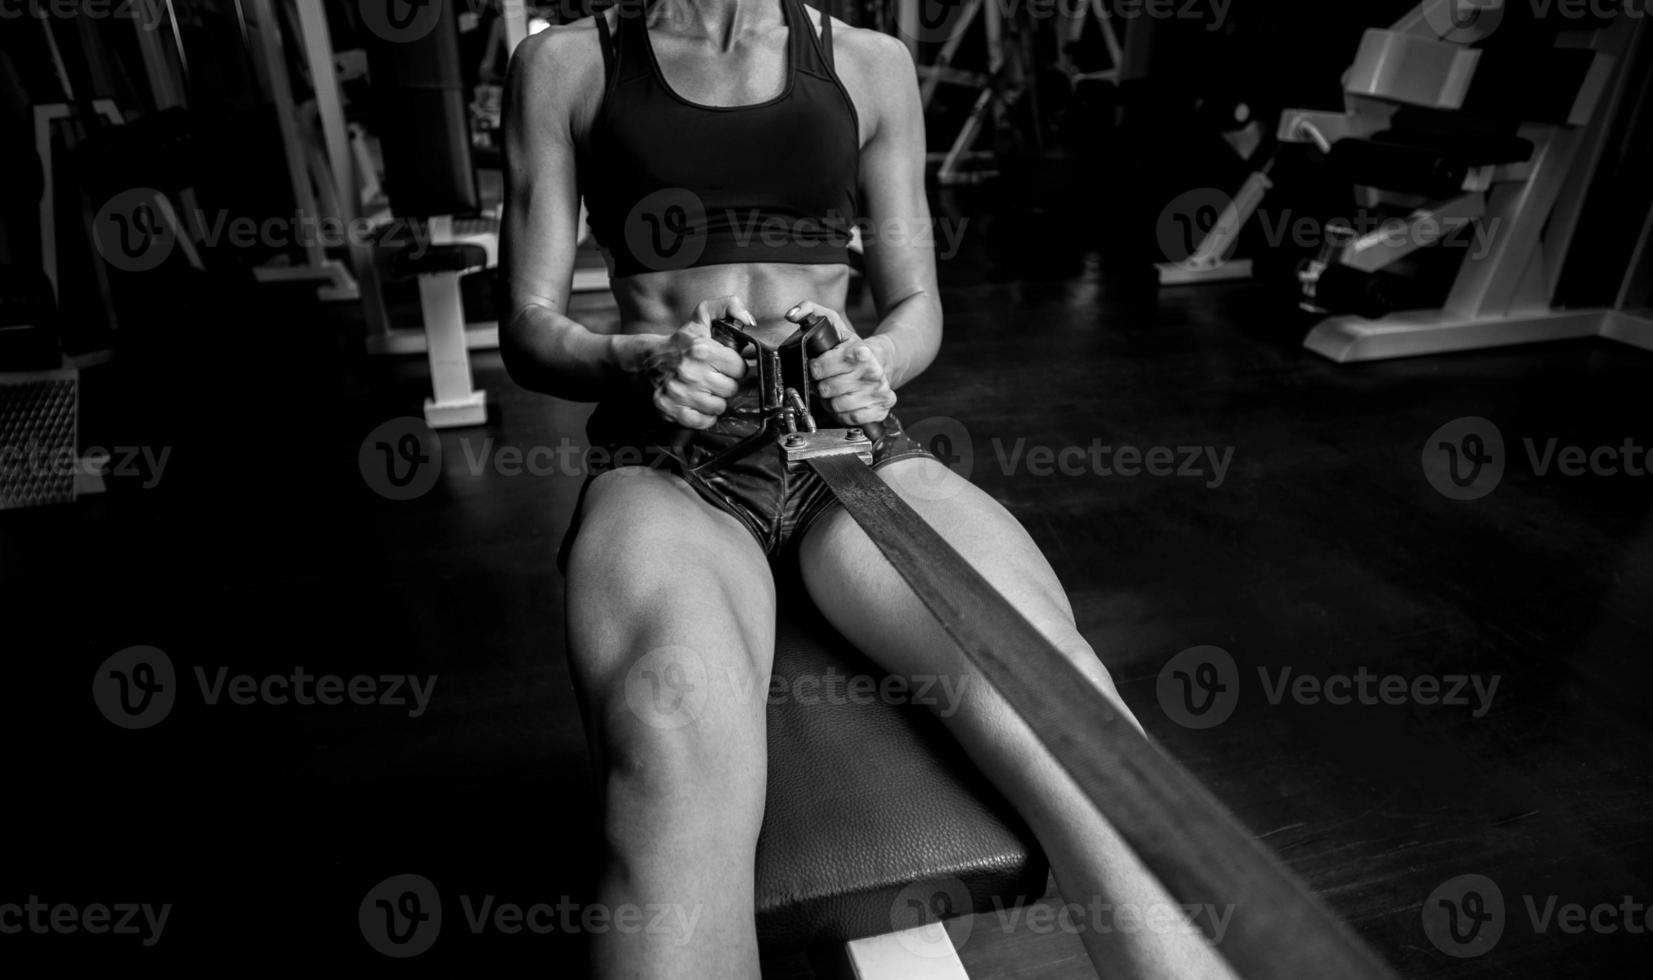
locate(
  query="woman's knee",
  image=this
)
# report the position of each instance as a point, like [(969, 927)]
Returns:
[(682, 733), (677, 703)]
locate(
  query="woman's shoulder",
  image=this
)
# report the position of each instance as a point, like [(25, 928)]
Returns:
[(560, 51), (872, 53), (879, 74), (559, 69)]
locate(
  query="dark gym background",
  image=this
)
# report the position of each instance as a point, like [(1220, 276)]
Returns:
[(262, 547)]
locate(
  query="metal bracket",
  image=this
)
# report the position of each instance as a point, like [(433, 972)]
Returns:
[(801, 446)]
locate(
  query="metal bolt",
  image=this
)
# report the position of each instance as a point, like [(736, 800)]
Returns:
[(852, 434), (794, 441)]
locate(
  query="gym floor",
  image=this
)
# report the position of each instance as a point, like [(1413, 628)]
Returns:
[(1323, 549)]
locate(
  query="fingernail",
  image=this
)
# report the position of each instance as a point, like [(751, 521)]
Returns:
[(794, 311)]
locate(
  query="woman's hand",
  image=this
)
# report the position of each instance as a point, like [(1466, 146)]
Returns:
[(851, 378), (694, 375)]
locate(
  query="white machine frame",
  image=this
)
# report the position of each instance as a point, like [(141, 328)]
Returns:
[(1505, 296), (446, 336)]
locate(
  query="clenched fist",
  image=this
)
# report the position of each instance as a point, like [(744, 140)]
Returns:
[(694, 375), (849, 378)]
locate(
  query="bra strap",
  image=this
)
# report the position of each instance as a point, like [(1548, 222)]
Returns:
[(605, 38), (826, 33)]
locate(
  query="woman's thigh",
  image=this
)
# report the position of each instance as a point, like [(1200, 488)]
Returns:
[(671, 621), (868, 601)]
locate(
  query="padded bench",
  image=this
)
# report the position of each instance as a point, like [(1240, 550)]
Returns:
[(876, 821)]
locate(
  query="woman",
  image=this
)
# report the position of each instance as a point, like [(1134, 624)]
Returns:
[(725, 148)]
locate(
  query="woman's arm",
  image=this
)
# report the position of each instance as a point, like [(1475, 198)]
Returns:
[(547, 85), (900, 251)]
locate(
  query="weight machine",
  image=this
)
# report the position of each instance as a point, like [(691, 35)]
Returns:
[(1526, 191)]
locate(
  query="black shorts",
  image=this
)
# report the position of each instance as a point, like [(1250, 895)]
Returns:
[(776, 500)]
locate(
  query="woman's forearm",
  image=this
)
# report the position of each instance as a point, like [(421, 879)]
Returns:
[(548, 352), (908, 337)]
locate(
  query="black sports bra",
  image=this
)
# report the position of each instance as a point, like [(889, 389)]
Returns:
[(671, 184)]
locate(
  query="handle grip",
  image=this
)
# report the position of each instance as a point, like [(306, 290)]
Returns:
[(819, 340)]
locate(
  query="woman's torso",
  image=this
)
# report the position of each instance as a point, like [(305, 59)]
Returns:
[(689, 93)]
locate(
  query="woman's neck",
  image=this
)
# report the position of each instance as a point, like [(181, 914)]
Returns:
[(720, 20)]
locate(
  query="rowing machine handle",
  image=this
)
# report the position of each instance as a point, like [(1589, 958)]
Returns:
[(818, 342)]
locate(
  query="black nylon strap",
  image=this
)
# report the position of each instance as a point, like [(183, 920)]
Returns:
[(1199, 852)]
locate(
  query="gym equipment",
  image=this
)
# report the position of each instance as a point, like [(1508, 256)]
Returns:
[(1181, 833), (144, 189), (335, 283), (1070, 30), (1327, 283), (77, 139), (28, 320), (875, 821), (424, 128), (1427, 131), (1185, 103), (46, 117), (259, 58), (505, 32), (996, 88), (1211, 260), (40, 460), (432, 187), (38, 428), (342, 163), (167, 69)]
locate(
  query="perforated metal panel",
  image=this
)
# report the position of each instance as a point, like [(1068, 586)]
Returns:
[(38, 415)]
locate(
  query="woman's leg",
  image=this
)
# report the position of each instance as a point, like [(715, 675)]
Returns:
[(671, 617), (872, 606)]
